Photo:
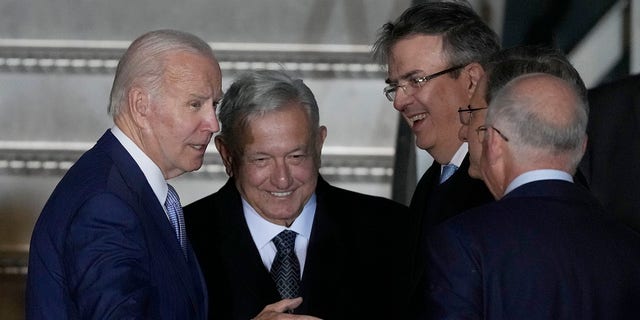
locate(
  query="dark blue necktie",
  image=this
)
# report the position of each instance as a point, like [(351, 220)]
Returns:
[(285, 269), (174, 210)]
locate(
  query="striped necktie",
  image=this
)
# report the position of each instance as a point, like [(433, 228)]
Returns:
[(174, 210)]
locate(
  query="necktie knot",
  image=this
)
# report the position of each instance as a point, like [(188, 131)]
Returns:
[(173, 200), (285, 241), (174, 211), (447, 172)]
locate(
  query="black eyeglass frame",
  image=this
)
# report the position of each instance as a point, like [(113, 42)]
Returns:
[(484, 128), (469, 110), (390, 90)]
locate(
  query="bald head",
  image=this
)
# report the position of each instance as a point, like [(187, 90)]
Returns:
[(545, 119)]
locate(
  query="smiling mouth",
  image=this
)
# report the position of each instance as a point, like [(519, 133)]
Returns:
[(414, 119), (281, 194), (199, 146)]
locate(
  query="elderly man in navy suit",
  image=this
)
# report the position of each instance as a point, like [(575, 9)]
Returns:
[(546, 249), (110, 242)]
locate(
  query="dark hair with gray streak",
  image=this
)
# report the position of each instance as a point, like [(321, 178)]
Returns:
[(466, 38)]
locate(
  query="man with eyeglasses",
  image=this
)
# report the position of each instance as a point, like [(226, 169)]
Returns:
[(546, 249), (432, 52), (499, 69)]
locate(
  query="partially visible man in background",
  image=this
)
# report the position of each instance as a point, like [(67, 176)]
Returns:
[(501, 68), (110, 242)]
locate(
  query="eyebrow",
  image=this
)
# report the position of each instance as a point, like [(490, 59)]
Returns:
[(405, 76), (200, 96)]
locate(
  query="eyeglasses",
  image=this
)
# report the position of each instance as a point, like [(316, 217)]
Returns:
[(466, 114), (413, 83), (481, 133)]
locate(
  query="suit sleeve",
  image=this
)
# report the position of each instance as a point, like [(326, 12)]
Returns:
[(106, 261), (454, 289)]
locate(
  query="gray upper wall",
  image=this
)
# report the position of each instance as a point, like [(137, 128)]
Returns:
[(270, 21)]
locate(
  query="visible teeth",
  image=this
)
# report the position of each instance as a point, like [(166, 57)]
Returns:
[(281, 194), (197, 146), (417, 117)]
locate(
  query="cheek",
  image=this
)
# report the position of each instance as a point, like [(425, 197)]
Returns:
[(167, 127), (304, 173), (252, 177), (476, 148)]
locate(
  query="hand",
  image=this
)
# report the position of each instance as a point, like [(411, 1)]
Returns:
[(278, 311)]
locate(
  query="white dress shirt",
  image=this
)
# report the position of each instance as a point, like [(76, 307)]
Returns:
[(151, 171), (263, 231), (537, 175), (458, 157)]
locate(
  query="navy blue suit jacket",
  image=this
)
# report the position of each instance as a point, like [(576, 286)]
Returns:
[(354, 265), (547, 250), (103, 248)]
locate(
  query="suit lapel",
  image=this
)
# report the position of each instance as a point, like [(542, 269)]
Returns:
[(246, 266), (154, 218), (324, 276), (425, 188)]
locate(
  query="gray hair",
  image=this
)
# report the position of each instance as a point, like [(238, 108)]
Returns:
[(518, 116), (466, 38), (143, 63), (256, 93)]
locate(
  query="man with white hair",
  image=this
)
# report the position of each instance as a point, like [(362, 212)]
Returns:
[(546, 249)]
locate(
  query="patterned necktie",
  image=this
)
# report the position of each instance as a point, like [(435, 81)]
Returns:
[(285, 269), (447, 172), (174, 210)]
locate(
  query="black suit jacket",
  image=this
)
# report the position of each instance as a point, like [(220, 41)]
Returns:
[(433, 203), (610, 163), (547, 250), (354, 262)]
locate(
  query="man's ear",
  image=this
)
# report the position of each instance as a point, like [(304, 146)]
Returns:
[(322, 135), (584, 143), (496, 146), (225, 154), (475, 72), (139, 106)]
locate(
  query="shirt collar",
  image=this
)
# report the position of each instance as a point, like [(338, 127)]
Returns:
[(458, 157), (263, 231), (537, 175), (151, 171)]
